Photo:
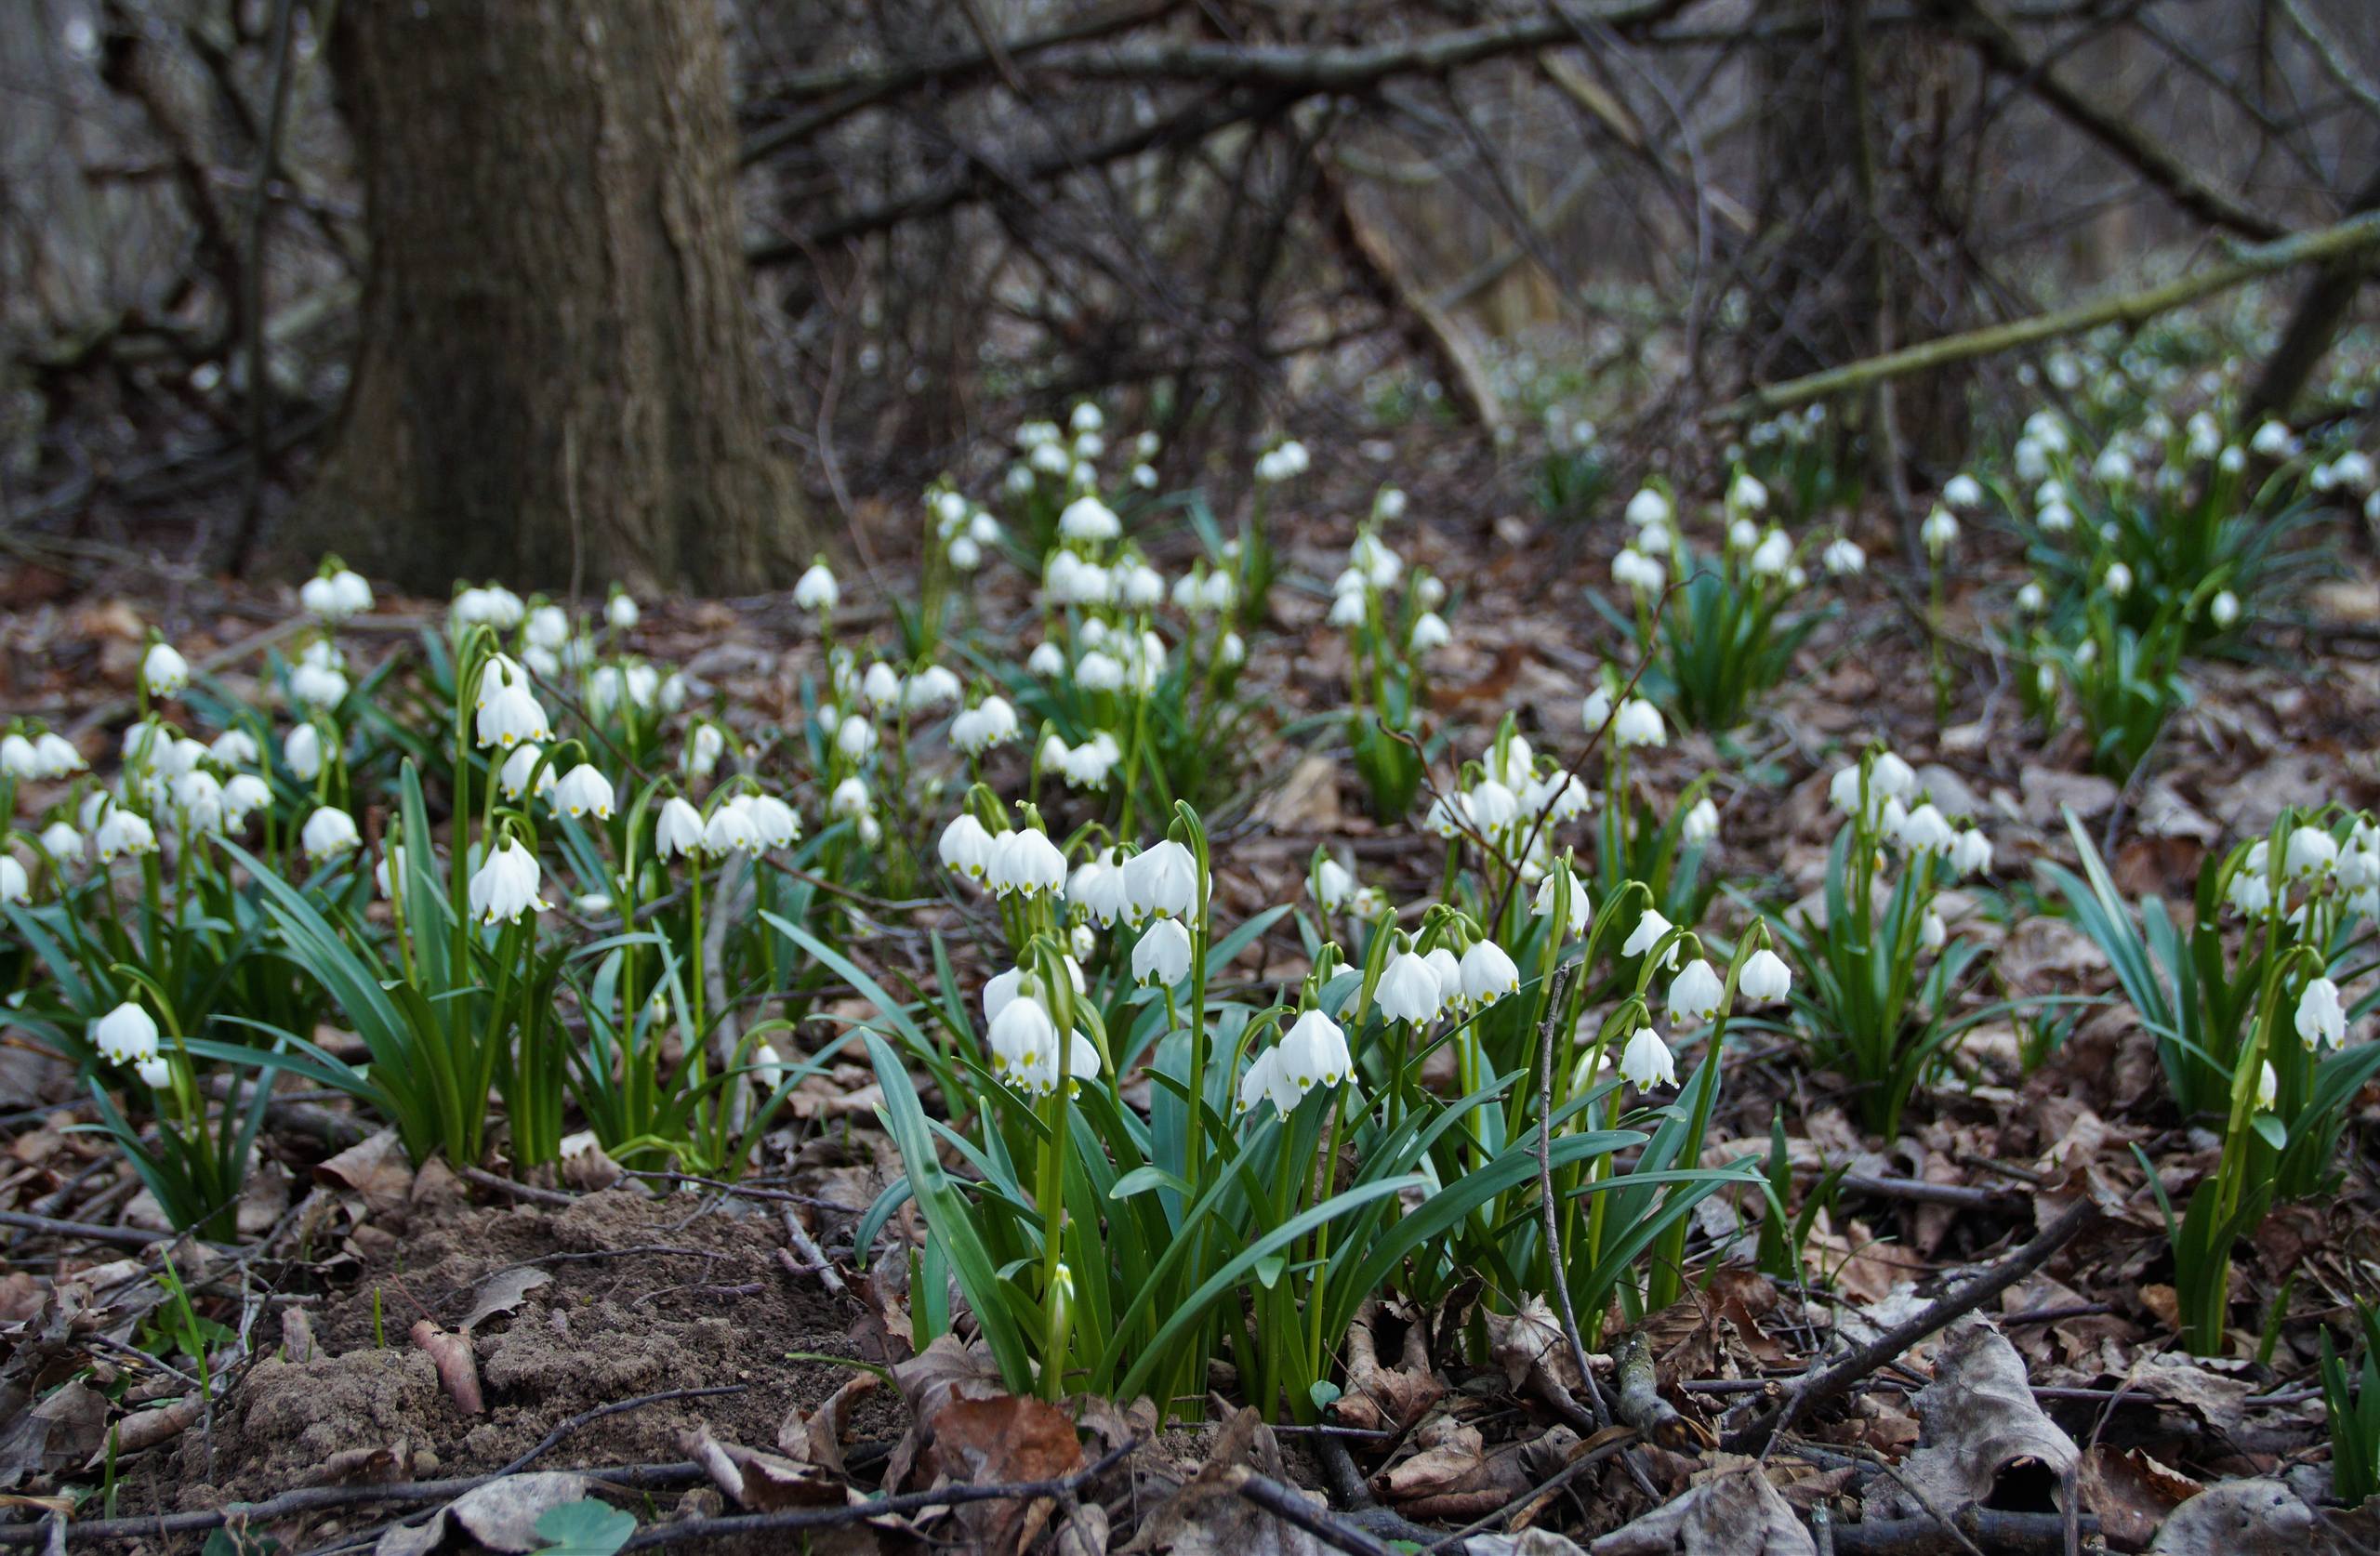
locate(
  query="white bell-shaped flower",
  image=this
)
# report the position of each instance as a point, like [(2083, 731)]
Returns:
[(505, 884), (1088, 519), (58, 755), (1647, 1061), (1700, 827), (508, 711), (1024, 863), (816, 589), (164, 672), (678, 832), (514, 777), (1314, 1052), (1695, 994), (774, 824), (16, 886), (1161, 880), (1267, 1080), (2322, 1018), (122, 834), (1639, 723), (1765, 978), (1648, 933), (1162, 958), (127, 1034), (1487, 974), (584, 792), (328, 833), (729, 830), (1409, 990), (966, 845)]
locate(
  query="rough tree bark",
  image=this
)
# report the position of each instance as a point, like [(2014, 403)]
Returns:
[(556, 381)]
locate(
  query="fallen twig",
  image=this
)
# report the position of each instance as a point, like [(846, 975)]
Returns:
[(1289, 1508), (814, 1260), (1819, 1385)]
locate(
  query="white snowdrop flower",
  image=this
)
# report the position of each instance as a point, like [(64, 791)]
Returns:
[(1487, 974), (583, 792), (2056, 518), (1747, 494), (1765, 978), (164, 672), (1143, 586), (678, 832), (1963, 492), (1097, 888), (156, 1073), (1097, 671), (1162, 958), (706, 743), (966, 845), (849, 799), (1647, 935), (1449, 971), (1561, 883), (58, 755), (2274, 441), (2114, 467), (15, 885), (1926, 830), (1772, 556), (1376, 559), (1971, 852), (1932, 933), (1232, 650), (198, 802), (855, 738), (1053, 755), (774, 824), (1493, 807), (2032, 600), (1647, 1061), (1700, 827), (2352, 470), (1409, 990), (1314, 1052), (881, 686), (1893, 777), (1639, 723), (2117, 580), (1429, 633), (328, 833), (1047, 660), (1450, 816), (234, 748), (1388, 503), (1347, 610), (506, 885), (1161, 880), (1022, 1036), (1843, 557), (816, 589), (1088, 519), (1596, 711), (1742, 536), (63, 844), (508, 711), (2224, 609), (514, 777), (1221, 591), (729, 829), (127, 1034), (1940, 532), (1648, 507), (1024, 863), (2312, 851), (241, 796), (2322, 1019), (1086, 766), (302, 749), (935, 687), (18, 757), (2268, 1088), (1695, 994), (1086, 418), (620, 612), (319, 598)]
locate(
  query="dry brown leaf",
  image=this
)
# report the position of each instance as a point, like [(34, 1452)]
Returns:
[(1731, 1511), (374, 1171), (1979, 1425), (987, 1441), (1382, 1397), (60, 1433), (1208, 1516), (761, 1483), (458, 1369), (817, 1437), (501, 1516), (2131, 1492), (2239, 1518)]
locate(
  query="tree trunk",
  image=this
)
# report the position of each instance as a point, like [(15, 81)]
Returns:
[(556, 383), (2313, 324)]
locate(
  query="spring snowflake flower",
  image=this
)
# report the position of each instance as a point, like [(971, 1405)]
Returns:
[(1932, 933), (17, 757), (775, 824), (1765, 978), (1161, 880), (620, 613), (1231, 650), (1266, 1081), (156, 1073), (1409, 990), (678, 829), (1429, 633), (2268, 1088), (1843, 557), (1561, 883), (584, 792), (513, 778), (2274, 441), (849, 799), (966, 847), (1487, 974), (2224, 609), (508, 711), (2032, 600), (63, 844), (1024, 863), (1493, 806), (729, 830), (1971, 852), (2322, 1019), (127, 1034), (1772, 556), (1746, 493), (1639, 723), (2117, 580), (2114, 468), (58, 755), (1939, 532), (1700, 827), (816, 589), (15, 885), (122, 834), (1647, 1061), (198, 802), (164, 672), (1334, 884), (506, 886), (1314, 1052), (1742, 536), (1098, 671), (1644, 573), (1926, 830), (328, 833), (1088, 519), (1560, 797), (2312, 851), (1647, 935), (1695, 994), (301, 749), (989, 723), (1963, 493), (1097, 888), (1648, 507), (1162, 958)]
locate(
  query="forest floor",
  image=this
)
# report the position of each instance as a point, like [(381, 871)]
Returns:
[(711, 1330)]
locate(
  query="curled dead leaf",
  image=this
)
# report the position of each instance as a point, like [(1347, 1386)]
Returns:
[(458, 1369)]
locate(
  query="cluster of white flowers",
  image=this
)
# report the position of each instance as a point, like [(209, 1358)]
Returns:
[(1696, 997), (963, 529), (1359, 595), (335, 594), (1887, 799), (1286, 460), (492, 605), (1312, 1053), (1022, 1032)]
